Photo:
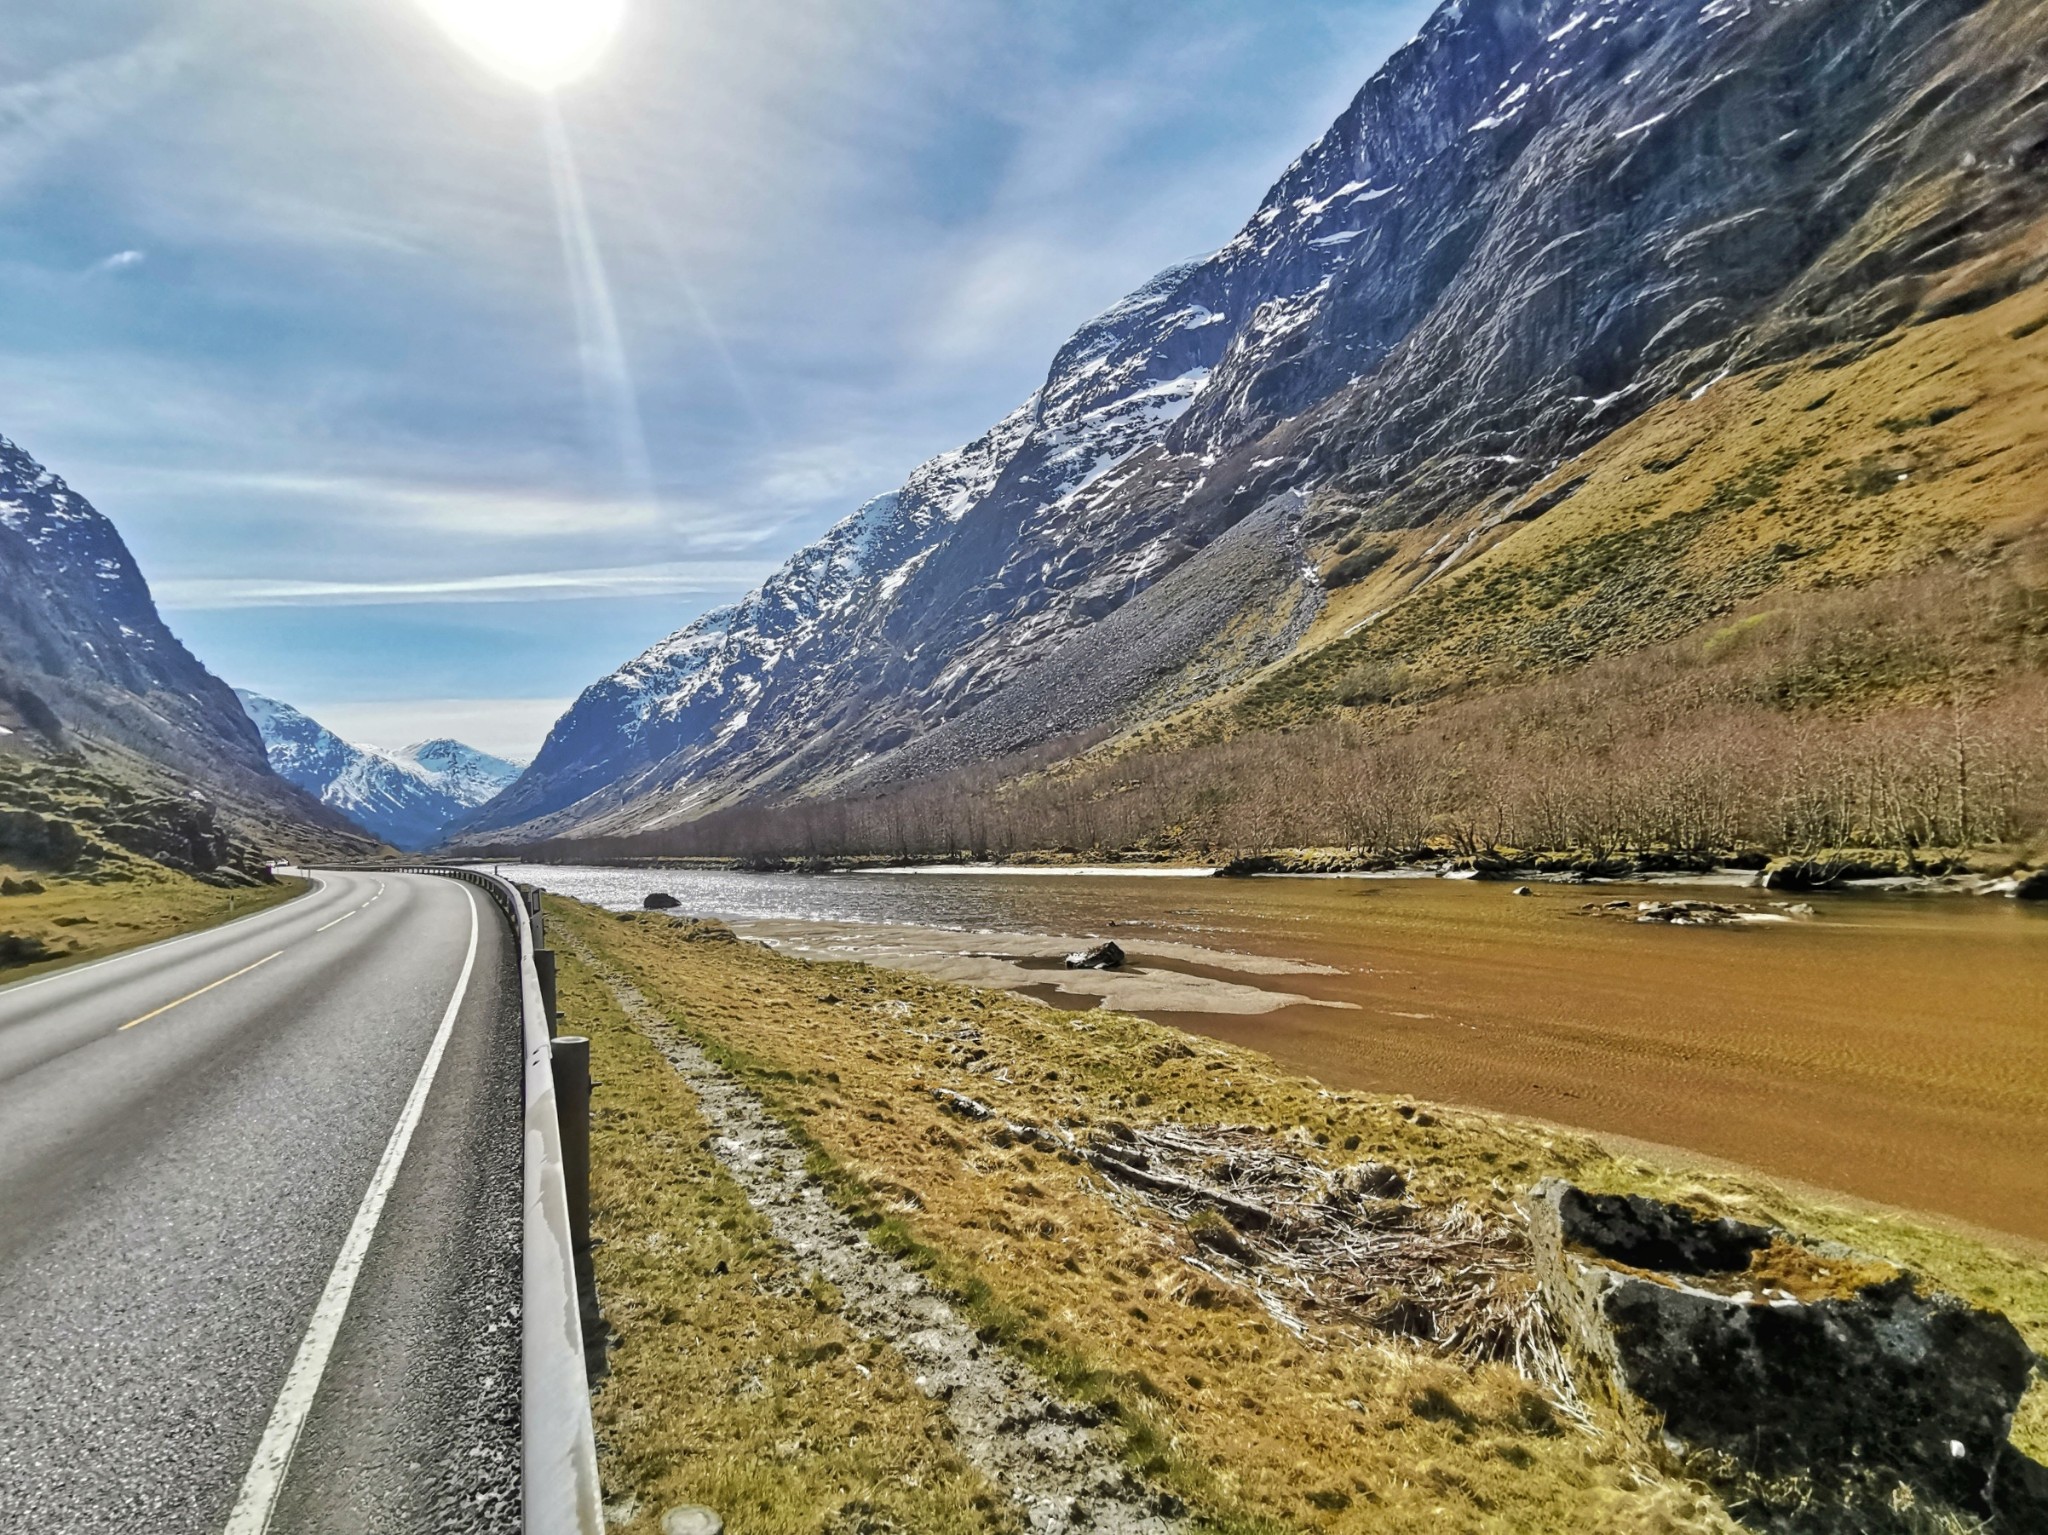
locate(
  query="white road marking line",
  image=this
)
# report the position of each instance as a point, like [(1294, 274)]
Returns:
[(202, 991), (258, 1500), (149, 948), (337, 921)]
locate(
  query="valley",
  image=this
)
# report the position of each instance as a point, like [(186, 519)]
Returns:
[(1586, 331), (1573, 557)]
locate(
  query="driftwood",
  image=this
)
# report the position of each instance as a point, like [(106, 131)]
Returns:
[(1240, 1213), (961, 1104), (1329, 1248)]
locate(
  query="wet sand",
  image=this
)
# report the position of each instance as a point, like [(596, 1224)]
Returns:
[(1894, 1047)]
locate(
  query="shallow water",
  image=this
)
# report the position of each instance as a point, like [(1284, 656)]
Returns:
[(1893, 1046)]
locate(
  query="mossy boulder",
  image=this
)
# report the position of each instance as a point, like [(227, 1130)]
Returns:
[(23, 949), (1838, 866), (47, 841), (1833, 1393)]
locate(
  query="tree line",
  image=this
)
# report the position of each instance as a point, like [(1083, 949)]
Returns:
[(1913, 715)]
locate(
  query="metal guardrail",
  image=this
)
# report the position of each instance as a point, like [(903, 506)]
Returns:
[(558, 1450)]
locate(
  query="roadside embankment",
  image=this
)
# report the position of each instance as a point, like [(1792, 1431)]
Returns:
[(1029, 1173), (47, 923)]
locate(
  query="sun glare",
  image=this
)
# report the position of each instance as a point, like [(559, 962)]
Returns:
[(542, 44)]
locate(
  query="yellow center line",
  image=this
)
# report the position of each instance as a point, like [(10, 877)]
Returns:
[(202, 991), (323, 927)]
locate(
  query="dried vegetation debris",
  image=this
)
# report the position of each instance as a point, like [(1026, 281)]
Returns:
[(1333, 1248), (1323, 1248), (1688, 913)]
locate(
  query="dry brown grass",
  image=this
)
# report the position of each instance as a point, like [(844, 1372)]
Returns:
[(1909, 713), (1812, 1276), (1836, 470), (735, 1383), (79, 921), (1341, 1429)]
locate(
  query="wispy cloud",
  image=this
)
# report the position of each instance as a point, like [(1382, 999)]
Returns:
[(120, 261), (461, 510), (672, 579), (481, 511), (40, 117)]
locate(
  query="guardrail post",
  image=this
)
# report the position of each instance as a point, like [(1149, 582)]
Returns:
[(571, 1057), (544, 972)]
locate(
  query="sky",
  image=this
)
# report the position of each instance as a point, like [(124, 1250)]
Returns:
[(425, 398)]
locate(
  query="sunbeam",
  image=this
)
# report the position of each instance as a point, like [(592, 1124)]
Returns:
[(672, 257), (609, 394)]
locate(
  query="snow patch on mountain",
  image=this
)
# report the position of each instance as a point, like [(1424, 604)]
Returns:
[(1476, 271), (408, 798)]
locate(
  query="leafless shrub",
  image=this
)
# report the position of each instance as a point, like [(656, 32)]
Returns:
[(1908, 715)]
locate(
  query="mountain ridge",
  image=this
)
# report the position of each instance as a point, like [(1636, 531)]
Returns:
[(1537, 222), (89, 670), (408, 798)]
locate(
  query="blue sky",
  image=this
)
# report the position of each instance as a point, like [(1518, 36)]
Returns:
[(286, 290)]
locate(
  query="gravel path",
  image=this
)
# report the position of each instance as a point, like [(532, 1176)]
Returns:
[(1057, 1470)]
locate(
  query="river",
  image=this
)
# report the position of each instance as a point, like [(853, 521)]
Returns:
[(1891, 1046)]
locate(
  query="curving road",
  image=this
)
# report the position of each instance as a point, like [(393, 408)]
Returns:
[(259, 1225)]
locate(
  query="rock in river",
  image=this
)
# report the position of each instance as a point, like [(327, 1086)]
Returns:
[(660, 900), (1104, 956)]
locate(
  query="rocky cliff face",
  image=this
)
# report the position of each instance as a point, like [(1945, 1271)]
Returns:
[(87, 665), (81, 645), (407, 798), (1541, 219)]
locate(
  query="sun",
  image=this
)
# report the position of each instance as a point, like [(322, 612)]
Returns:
[(541, 44)]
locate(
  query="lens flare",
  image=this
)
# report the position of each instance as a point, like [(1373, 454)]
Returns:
[(610, 396), (541, 44)]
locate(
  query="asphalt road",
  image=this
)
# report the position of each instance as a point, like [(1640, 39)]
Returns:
[(208, 1318)]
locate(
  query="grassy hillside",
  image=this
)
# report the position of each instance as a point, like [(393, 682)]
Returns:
[(68, 922), (94, 859), (1929, 447), (1805, 609)]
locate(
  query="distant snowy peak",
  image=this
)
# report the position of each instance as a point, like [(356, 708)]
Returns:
[(468, 776), (408, 798)]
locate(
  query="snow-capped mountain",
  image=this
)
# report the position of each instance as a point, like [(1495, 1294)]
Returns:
[(466, 775), (1540, 219), (81, 644), (87, 665), (408, 798)]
